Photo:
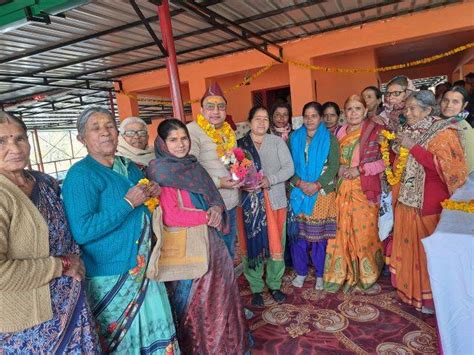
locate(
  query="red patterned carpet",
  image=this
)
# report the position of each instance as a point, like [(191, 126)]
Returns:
[(315, 322)]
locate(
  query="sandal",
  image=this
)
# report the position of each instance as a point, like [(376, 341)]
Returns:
[(257, 300), (278, 296)]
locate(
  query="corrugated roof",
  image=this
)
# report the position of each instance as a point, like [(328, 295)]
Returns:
[(106, 40)]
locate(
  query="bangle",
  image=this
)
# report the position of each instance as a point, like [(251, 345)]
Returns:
[(66, 263), (129, 202)]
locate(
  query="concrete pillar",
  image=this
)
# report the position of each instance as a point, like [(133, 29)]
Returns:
[(127, 106), (338, 87), (301, 86), (197, 87)]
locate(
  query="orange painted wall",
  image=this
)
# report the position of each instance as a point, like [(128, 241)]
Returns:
[(468, 68), (240, 101), (425, 71), (164, 92), (351, 47), (338, 87)]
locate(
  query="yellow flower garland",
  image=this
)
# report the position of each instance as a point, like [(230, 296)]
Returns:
[(223, 137), (152, 202), (393, 177), (464, 206)]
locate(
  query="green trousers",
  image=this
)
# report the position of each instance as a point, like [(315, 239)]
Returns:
[(274, 273)]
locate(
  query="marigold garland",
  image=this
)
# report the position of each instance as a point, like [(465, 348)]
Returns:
[(152, 202), (464, 206), (223, 137), (248, 80), (413, 63), (393, 177)]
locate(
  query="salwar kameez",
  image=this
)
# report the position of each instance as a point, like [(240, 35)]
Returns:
[(274, 265), (316, 222), (314, 232)]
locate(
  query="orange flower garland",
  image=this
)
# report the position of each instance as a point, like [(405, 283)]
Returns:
[(223, 137), (393, 177), (152, 202)]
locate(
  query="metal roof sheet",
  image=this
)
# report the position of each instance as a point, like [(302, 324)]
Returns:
[(105, 39)]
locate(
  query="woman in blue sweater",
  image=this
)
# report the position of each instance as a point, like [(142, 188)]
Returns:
[(104, 207)]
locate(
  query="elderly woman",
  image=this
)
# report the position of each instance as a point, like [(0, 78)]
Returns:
[(315, 154), (208, 310), (434, 169), (264, 208), (42, 300), (331, 113), (104, 207), (354, 257), (397, 91), (133, 142), (453, 108), (280, 122)]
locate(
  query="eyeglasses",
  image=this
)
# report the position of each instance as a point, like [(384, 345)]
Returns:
[(142, 133), (212, 107), (394, 93)]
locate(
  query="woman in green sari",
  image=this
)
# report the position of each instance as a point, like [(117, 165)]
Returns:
[(104, 206)]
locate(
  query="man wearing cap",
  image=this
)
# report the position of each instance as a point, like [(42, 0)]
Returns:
[(211, 138)]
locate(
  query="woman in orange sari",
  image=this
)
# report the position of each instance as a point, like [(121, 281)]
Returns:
[(435, 168), (354, 257)]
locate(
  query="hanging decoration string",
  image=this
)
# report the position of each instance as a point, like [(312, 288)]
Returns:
[(383, 69), (248, 80)]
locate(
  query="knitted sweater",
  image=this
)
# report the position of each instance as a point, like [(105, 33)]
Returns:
[(26, 268), (103, 224), (204, 149), (277, 166)]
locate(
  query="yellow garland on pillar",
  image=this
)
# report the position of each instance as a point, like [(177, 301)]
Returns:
[(393, 177), (223, 137)]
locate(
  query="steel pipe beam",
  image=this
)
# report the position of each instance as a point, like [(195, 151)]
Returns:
[(171, 61)]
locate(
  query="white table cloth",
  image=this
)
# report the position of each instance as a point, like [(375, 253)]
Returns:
[(450, 254)]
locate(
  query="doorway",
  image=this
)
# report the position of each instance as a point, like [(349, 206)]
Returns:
[(268, 97)]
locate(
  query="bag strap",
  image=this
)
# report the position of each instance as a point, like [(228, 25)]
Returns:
[(181, 204), (180, 199)]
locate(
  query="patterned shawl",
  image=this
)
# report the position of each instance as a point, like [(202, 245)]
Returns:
[(392, 116), (459, 117), (183, 173), (284, 132), (140, 157), (413, 180), (255, 218), (370, 152), (308, 169)]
